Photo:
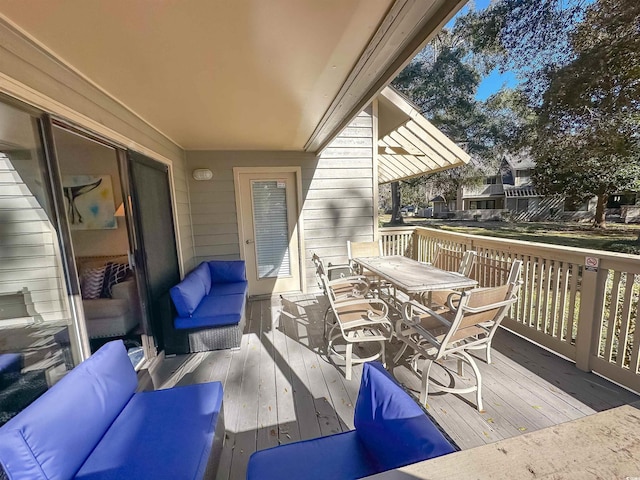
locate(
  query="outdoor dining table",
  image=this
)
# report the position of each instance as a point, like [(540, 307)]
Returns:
[(413, 277)]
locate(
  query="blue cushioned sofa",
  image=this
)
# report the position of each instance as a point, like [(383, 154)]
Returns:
[(92, 425), (210, 305), (391, 431)]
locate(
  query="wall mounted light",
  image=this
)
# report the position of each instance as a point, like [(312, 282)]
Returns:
[(202, 174)]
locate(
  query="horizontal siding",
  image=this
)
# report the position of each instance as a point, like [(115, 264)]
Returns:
[(183, 212), (338, 196), (30, 271)]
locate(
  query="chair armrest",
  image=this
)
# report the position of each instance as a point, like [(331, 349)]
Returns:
[(126, 290), (413, 305)]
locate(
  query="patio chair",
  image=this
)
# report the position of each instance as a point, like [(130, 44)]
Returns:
[(452, 260), (348, 287), (435, 336), (363, 249), (368, 249), (357, 321)]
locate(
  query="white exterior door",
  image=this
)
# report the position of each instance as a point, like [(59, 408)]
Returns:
[(267, 205)]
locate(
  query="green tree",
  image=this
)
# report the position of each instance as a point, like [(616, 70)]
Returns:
[(588, 129), (442, 82)]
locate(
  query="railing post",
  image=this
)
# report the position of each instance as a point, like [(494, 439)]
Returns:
[(414, 244), (590, 314)]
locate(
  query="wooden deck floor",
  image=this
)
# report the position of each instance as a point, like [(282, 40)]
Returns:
[(279, 386)]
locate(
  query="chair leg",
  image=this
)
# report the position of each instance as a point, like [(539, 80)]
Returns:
[(476, 371), (383, 354), (326, 315), (489, 353), (403, 349), (348, 357), (424, 391)]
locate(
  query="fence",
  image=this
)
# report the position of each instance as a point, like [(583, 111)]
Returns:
[(579, 303)]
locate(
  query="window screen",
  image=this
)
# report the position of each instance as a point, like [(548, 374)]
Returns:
[(271, 228)]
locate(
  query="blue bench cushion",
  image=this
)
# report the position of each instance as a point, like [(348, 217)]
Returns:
[(188, 293), (153, 439), (340, 456), (203, 272), (220, 289), (227, 271), (214, 311), (53, 436), (392, 426)]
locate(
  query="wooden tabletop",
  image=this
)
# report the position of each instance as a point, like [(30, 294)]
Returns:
[(413, 277), (601, 446)]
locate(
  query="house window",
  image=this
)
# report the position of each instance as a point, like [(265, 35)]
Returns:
[(493, 180), (482, 205)]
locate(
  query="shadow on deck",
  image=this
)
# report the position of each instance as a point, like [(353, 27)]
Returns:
[(280, 387)]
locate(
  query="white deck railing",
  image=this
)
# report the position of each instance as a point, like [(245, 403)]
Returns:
[(587, 314)]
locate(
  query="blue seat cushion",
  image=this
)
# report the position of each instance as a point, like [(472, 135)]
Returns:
[(227, 271), (188, 293), (214, 311), (53, 436), (392, 426), (340, 456), (219, 289), (160, 434)]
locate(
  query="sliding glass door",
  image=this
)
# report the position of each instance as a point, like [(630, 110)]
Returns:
[(39, 341)]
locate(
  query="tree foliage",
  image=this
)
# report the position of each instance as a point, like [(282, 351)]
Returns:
[(588, 129)]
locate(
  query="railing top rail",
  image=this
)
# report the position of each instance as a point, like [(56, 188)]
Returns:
[(572, 254)]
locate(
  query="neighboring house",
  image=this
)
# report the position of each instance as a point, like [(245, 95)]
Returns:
[(442, 207), (218, 129), (511, 190)]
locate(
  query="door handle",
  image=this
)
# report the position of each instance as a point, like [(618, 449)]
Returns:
[(248, 242)]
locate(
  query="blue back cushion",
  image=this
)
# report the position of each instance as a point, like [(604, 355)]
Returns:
[(188, 293), (227, 271), (203, 272), (391, 425), (53, 436)]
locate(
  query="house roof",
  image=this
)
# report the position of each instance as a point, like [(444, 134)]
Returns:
[(408, 144), (520, 161), (241, 75)]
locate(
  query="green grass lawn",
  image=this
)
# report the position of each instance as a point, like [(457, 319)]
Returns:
[(618, 237)]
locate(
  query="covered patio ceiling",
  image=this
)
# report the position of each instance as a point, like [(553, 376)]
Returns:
[(242, 75), (408, 144)]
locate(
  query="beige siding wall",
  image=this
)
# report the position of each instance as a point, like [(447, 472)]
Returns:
[(31, 282), (32, 75), (337, 194)]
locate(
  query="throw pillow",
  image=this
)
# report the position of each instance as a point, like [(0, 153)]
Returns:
[(91, 282), (114, 273)]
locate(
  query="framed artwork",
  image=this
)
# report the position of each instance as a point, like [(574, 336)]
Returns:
[(89, 202)]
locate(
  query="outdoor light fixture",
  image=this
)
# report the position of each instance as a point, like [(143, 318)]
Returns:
[(202, 174)]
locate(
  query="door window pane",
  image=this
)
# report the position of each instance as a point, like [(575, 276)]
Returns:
[(35, 321), (271, 228)]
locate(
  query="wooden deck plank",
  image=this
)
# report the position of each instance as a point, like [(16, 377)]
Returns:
[(328, 421), (247, 422), (288, 426), (289, 320), (267, 408), (231, 406)]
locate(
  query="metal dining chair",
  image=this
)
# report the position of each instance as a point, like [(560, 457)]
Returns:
[(358, 320), (449, 259), (435, 336)]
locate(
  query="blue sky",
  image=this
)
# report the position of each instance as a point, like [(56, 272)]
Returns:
[(495, 80)]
